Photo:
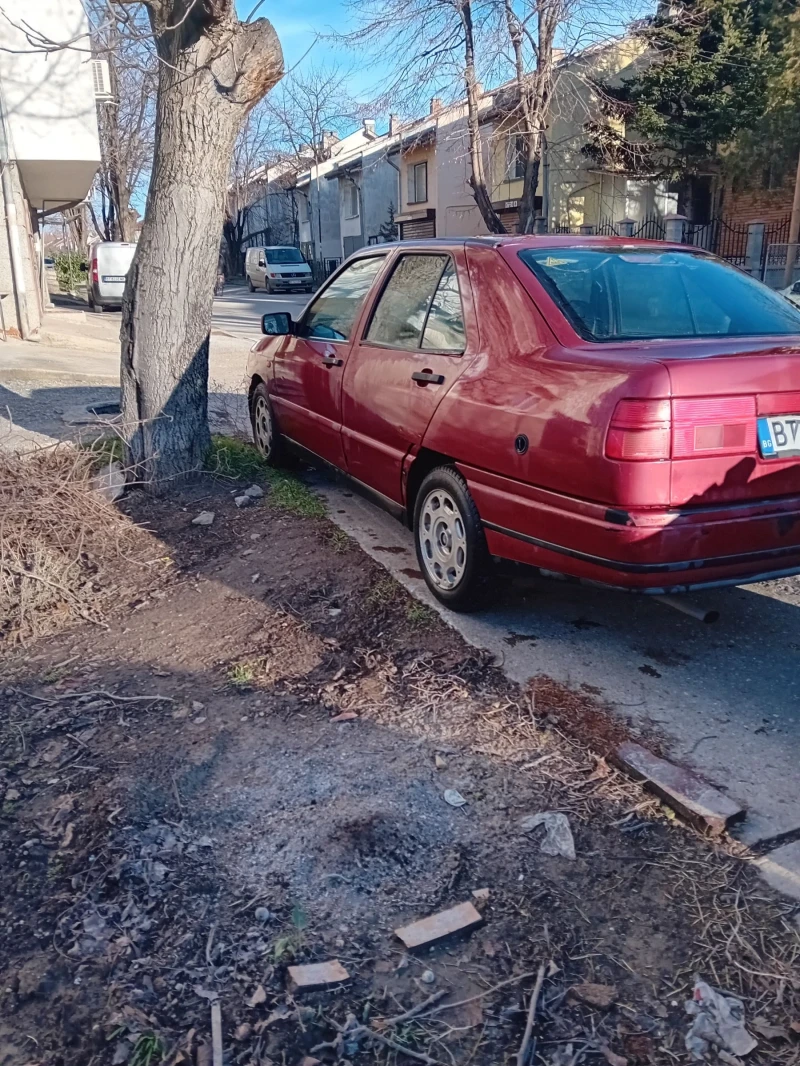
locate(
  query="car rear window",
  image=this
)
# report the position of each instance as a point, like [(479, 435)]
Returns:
[(630, 294), (284, 255)]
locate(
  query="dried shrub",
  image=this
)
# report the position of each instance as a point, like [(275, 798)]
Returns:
[(59, 542)]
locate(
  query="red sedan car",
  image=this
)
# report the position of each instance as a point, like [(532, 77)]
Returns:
[(626, 413)]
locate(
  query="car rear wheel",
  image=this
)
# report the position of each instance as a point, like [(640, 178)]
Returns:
[(266, 437), (250, 284), (450, 542)]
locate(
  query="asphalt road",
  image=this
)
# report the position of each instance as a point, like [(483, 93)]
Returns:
[(726, 697), (238, 312)]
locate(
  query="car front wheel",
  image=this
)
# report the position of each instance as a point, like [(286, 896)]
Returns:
[(450, 542), (266, 437)]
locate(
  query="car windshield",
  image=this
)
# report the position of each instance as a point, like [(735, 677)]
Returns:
[(631, 294), (284, 255)]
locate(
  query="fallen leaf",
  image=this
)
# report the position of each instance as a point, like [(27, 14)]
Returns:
[(258, 997), (795, 1027), (612, 1058), (454, 798), (600, 771), (345, 716), (69, 834), (769, 1031), (595, 995)]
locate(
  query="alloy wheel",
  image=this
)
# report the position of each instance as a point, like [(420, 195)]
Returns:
[(443, 539), (262, 426)]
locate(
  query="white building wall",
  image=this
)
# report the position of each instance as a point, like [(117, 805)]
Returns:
[(48, 100), (47, 105)]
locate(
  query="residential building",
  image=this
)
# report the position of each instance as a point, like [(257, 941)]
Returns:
[(414, 180), (48, 137), (368, 191)]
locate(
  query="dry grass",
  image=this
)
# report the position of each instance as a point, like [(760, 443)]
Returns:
[(59, 541)]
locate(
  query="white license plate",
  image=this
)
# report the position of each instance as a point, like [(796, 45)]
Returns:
[(779, 436), (113, 278)]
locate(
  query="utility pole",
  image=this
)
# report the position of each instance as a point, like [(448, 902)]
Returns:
[(794, 232)]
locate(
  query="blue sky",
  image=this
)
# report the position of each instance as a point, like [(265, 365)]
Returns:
[(297, 22)]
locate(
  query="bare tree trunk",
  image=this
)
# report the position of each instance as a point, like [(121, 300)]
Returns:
[(213, 69), (477, 176), (533, 92)]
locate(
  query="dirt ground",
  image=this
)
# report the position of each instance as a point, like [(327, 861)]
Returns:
[(242, 766)]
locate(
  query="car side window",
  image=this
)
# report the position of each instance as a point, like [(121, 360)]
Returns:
[(331, 316), (444, 330), (402, 312)]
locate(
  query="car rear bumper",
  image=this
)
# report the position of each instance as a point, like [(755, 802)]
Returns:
[(647, 550)]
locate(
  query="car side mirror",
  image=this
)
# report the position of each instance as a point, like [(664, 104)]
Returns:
[(84, 268), (262, 262), (277, 325), (796, 288)]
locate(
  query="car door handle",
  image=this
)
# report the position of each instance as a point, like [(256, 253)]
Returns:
[(427, 377), (331, 360)]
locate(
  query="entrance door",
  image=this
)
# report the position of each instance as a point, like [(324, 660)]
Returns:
[(407, 358), (307, 386)]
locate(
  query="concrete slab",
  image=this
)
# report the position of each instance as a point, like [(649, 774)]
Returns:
[(695, 800)]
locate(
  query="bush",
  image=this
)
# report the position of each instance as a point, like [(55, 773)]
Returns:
[(68, 271)]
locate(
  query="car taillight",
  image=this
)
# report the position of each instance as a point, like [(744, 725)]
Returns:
[(643, 430), (718, 425), (639, 430), (95, 272)]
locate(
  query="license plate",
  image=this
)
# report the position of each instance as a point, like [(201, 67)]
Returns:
[(779, 436), (112, 278)]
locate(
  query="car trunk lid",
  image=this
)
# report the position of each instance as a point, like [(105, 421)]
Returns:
[(717, 402)]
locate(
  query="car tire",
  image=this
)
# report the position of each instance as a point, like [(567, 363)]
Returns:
[(250, 284), (450, 542), (268, 288), (266, 437), (95, 308)]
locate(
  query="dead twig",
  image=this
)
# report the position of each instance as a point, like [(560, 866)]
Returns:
[(480, 995), (420, 1056), (522, 1054), (100, 694), (216, 1033)]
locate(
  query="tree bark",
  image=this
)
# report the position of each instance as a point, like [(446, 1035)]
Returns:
[(213, 69), (477, 175)]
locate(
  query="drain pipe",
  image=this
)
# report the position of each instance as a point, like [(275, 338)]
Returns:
[(12, 226)]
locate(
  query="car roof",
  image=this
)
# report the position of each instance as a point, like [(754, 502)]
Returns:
[(512, 241)]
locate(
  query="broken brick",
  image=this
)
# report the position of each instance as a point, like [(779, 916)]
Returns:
[(438, 926), (317, 975), (693, 799)]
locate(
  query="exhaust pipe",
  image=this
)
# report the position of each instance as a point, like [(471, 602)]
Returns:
[(700, 613)]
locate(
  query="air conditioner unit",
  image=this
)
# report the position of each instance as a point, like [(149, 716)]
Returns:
[(101, 79)]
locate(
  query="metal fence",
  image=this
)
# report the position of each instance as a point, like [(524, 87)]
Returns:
[(651, 228)]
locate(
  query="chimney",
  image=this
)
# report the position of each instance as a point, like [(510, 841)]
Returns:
[(369, 128), (436, 105), (393, 124)]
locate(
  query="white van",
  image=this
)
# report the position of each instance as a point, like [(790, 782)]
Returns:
[(277, 268), (109, 264)]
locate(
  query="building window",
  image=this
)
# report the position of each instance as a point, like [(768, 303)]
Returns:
[(351, 200), (515, 157), (417, 183)]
